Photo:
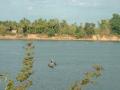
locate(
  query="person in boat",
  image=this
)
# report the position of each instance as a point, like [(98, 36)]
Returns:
[(52, 64), (52, 61)]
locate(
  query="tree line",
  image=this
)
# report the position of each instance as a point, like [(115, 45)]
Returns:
[(54, 27)]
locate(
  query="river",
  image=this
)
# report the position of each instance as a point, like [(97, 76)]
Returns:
[(73, 59)]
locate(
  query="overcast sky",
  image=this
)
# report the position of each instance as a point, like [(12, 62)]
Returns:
[(70, 10)]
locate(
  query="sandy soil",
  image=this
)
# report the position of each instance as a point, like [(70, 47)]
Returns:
[(63, 37)]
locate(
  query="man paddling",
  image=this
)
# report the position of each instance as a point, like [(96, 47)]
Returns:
[(52, 64)]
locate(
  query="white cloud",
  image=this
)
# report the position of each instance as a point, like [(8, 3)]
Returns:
[(83, 3), (39, 4)]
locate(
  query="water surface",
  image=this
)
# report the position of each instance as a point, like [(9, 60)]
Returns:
[(73, 59)]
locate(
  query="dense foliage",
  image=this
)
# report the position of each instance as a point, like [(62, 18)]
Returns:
[(115, 23), (54, 27)]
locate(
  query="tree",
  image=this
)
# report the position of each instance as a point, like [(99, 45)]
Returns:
[(39, 26), (115, 24), (80, 31), (10, 25), (24, 25), (89, 29), (51, 33), (72, 29), (54, 25), (104, 27), (2, 29), (64, 28)]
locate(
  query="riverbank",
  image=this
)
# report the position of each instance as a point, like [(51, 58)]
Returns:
[(62, 37)]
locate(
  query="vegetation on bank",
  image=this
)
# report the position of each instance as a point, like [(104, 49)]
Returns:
[(55, 27), (24, 76), (89, 78)]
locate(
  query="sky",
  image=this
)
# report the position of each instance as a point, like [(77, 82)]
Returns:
[(71, 10)]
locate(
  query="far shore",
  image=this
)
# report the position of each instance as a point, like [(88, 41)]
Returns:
[(63, 37)]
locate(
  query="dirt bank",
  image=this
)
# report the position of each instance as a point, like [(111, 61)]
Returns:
[(63, 37)]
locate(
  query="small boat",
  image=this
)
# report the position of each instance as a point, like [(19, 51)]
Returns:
[(52, 64)]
